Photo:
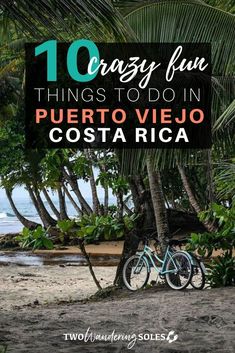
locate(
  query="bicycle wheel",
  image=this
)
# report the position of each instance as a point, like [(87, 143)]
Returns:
[(135, 272), (179, 271), (198, 278)]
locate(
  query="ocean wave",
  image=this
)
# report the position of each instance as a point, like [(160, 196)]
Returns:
[(6, 215)]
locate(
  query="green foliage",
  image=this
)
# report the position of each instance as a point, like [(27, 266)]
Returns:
[(103, 227), (35, 20), (228, 6), (65, 225), (35, 239), (225, 217), (3, 349), (82, 167), (222, 268), (120, 185), (187, 21), (225, 180), (223, 239), (93, 228), (222, 271), (112, 210)]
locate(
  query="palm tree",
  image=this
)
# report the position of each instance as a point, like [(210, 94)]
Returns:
[(158, 200), (177, 22), (151, 21), (66, 20), (192, 199), (26, 222)]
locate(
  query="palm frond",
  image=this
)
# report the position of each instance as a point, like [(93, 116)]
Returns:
[(188, 21), (227, 118), (181, 22), (228, 6), (10, 67), (66, 19), (225, 180)]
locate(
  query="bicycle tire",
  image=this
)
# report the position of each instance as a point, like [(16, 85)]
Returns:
[(143, 262), (186, 269)]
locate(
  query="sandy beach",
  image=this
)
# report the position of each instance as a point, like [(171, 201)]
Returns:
[(22, 285), (39, 304), (202, 320)]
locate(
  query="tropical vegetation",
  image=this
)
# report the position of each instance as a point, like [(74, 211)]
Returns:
[(166, 190)]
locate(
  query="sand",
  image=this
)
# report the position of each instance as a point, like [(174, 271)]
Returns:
[(203, 321), (22, 285), (39, 304), (104, 248)]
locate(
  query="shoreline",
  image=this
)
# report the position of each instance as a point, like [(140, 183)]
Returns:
[(104, 248), (26, 285)]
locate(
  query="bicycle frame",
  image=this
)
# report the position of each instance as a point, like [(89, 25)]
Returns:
[(149, 255)]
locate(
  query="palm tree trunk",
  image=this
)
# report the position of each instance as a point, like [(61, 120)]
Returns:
[(106, 200), (71, 199), (63, 212), (72, 180), (51, 204), (50, 221), (135, 193), (26, 223), (119, 206), (130, 247), (47, 220), (192, 199), (95, 200), (127, 209), (211, 188), (159, 207)]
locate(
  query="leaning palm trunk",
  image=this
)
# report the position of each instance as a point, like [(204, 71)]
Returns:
[(158, 204), (26, 223), (47, 220), (71, 199), (43, 211), (192, 199), (95, 200), (72, 180), (61, 196), (51, 204)]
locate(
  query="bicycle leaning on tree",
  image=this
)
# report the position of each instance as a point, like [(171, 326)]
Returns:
[(178, 267)]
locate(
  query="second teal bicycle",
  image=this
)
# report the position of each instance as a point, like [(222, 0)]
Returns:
[(177, 267)]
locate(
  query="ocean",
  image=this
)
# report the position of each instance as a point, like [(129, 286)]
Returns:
[(10, 224)]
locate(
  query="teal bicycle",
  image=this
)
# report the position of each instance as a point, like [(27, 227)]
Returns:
[(176, 267)]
